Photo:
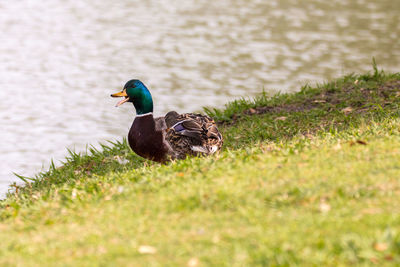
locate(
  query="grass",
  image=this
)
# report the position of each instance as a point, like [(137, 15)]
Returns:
[(310, 178)]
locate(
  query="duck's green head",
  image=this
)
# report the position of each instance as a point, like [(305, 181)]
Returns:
[(136, 92)]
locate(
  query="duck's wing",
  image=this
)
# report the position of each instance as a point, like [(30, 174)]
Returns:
[(184, 125), (197, 125), (208, 124), (189, 129), (192, 129), (198, 132)]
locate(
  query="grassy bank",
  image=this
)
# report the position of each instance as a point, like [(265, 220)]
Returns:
[(311, 178)]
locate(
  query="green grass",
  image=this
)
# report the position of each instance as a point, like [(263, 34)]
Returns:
[(311, 178)]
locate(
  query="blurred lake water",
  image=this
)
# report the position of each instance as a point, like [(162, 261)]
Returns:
[(60, 60)]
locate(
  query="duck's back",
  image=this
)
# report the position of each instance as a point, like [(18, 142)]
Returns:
[(192, 134)]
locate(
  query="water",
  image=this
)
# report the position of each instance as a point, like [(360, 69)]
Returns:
[(60, 60)]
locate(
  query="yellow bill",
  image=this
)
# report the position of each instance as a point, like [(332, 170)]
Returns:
[(121, 94)]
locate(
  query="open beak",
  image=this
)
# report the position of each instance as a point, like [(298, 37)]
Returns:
[(121, 94)]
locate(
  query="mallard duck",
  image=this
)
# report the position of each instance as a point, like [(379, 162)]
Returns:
[(174, 136)]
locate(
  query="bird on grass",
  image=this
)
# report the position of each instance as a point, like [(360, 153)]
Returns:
[(174, 136)]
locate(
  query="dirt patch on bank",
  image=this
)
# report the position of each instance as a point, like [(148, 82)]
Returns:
[(276, 109), (329, 100)]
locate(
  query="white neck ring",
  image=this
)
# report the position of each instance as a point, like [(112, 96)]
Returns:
[(146, 114)]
